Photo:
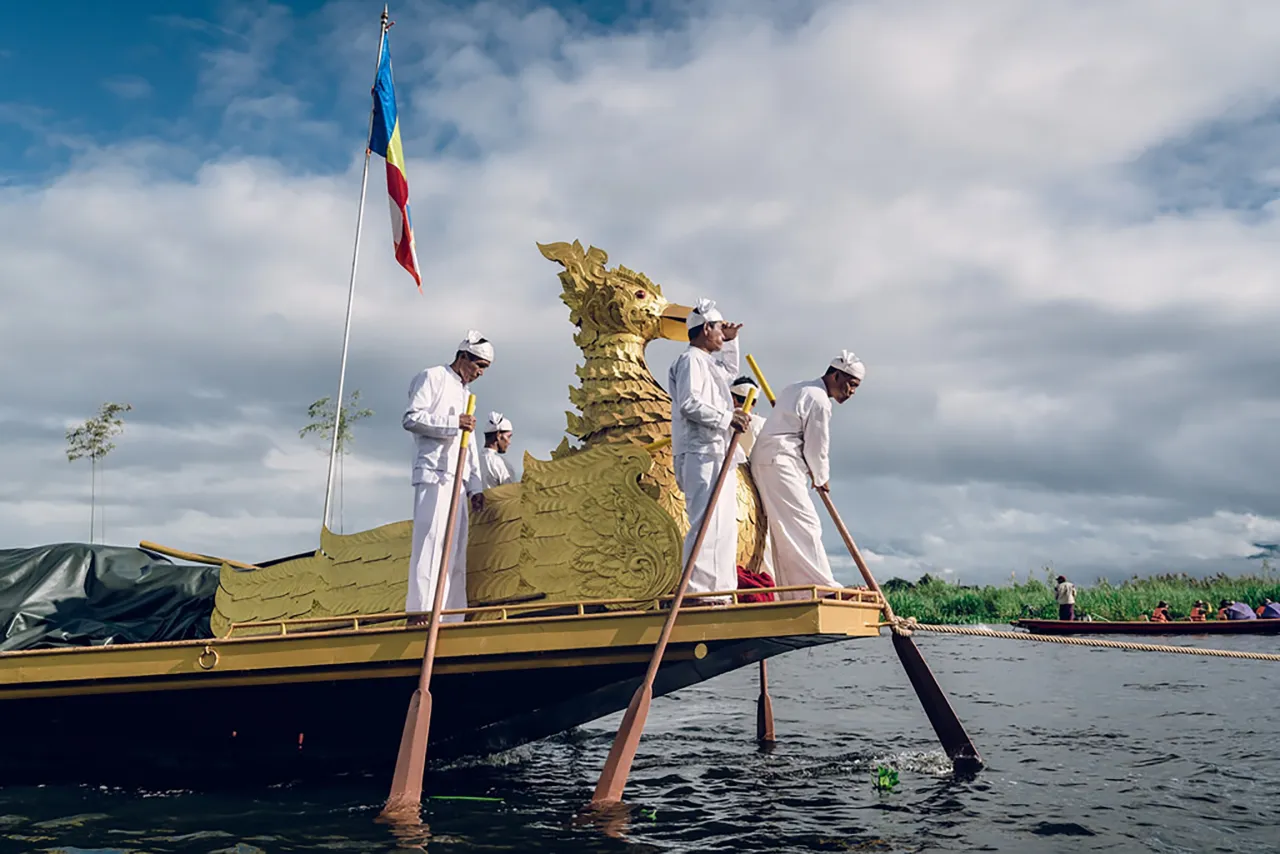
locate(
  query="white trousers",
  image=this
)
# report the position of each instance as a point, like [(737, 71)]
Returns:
[(794, 526), (717, 565), (430, 516)]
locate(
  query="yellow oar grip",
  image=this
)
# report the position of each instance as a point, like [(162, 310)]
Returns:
[(764, 384), (471, 410), (751, 399)]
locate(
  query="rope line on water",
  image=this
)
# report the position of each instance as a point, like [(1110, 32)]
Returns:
[(908, 625)]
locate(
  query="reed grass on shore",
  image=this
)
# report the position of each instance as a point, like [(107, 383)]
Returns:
[(931, 600)]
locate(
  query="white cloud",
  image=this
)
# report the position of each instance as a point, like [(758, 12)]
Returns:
[(1061, 369)]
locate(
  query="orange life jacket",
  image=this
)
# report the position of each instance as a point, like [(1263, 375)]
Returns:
[(1160, 615), (1197, 614)]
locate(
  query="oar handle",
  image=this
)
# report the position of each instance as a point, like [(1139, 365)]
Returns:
[(764, 384), (466, 434)]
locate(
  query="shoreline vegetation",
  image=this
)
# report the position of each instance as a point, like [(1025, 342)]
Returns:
[(932, 600)]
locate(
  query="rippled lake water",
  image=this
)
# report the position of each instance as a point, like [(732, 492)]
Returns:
[(1087, 750)]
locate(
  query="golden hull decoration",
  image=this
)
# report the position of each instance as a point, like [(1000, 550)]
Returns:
[(599, 520)]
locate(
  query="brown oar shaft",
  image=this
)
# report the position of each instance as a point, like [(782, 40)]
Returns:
[(613, 779), (951, 733), (406, 782), (857, 555), (764, 705)]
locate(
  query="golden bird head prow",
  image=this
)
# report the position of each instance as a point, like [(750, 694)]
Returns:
[(616, 313), (605, 303)]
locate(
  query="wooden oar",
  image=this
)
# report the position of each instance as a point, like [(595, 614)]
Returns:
[(951, 733), (405, 801), (955, 741), (764, 704), (613, 779)]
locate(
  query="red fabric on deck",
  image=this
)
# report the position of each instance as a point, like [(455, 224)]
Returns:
[(754, 580)]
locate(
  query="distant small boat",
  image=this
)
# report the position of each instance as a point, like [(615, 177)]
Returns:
[(1145, 627)]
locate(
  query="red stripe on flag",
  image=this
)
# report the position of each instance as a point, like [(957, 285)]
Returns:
[(397, 186), (398, 189)]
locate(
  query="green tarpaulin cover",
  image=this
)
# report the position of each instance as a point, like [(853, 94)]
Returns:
[(72, 594)]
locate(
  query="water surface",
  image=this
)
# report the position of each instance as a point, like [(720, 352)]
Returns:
[(1087, 750)]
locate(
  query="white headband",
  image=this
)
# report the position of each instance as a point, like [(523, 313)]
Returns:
[(471, 344), (498, 423), (742, 389), (703, 312), (850, 364)]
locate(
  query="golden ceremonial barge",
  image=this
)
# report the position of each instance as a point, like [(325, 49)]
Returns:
[(310, 659)]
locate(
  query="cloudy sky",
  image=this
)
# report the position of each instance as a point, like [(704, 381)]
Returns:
[(1049, 229)]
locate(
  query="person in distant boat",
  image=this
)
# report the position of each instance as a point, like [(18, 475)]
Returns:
[(437, 416), (703, 417), (1160, 614), (1269, 610), (1228, 610), (792, 455), (1263, 606), (1199, 611), (1065, 594), (497, 439)]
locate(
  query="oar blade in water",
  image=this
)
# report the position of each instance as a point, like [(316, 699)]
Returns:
[(951, 733)]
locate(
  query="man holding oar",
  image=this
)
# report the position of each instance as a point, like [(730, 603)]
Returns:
[(792, 452), (437, 417), (840, 382), (703, 417)]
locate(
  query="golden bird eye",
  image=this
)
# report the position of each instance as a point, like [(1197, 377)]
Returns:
[(639, 294)]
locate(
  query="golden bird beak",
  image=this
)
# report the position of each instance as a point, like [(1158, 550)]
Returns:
[(671, 323)]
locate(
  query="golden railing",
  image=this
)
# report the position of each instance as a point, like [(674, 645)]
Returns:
[(572, 610)]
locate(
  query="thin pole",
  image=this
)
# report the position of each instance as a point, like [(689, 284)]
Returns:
[(351, 292)]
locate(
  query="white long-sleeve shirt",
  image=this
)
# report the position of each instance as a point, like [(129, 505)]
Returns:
[(493, 469), (437, 396), (799, 427), (748, 440), (701, 404)]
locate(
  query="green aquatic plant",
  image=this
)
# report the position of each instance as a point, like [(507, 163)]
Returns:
[(885, 778)]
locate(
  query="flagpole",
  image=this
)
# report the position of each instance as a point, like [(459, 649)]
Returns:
[(351, 290)]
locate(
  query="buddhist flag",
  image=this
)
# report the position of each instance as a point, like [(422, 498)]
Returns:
[(384, 140)]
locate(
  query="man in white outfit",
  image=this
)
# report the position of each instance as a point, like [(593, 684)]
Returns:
[(702, 420), (497, 439), (791, 453), (437, 416)]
